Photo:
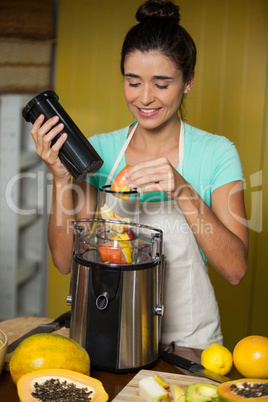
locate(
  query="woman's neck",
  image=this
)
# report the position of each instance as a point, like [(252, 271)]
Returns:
[(153, 143)]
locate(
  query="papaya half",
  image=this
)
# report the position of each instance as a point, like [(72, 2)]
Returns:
[(60, 385), (48, 351), (248, 389)]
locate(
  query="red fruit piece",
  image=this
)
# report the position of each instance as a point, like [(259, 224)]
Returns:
[(119, 184)]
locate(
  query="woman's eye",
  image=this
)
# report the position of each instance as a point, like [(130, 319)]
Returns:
[(162, 86), (134, 85)]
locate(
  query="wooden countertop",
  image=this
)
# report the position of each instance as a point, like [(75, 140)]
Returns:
[(112, 382)]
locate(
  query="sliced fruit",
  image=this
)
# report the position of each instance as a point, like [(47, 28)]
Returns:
[(176, 391), (130, 234), (127, 253), (180, 398), (124, 236), (161, 381), (119, 184), (48, 351), (201, 392), (152, 391), (107, 213), (61, 385), (109, 253), (248, 389)]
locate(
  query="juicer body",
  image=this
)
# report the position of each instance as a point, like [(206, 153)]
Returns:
[(116, 310)]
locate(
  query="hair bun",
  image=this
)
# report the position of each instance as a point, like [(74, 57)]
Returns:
[(158, 9)]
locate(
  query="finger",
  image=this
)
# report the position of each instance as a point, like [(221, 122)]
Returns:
[(153, 187), (152, 163), (151, 174), (51, 153), (145, 179), (44, 138), (36, 126)]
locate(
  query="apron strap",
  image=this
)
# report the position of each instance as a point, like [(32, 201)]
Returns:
[(120, 155), (124, 147), (181, 147)]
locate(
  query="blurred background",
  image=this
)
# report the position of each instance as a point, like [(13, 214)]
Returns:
[(74, 48)]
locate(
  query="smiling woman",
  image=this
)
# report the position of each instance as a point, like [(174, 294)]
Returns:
[(153, 88), (184, 175)]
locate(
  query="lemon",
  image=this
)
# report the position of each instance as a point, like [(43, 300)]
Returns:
[(122, 243), (217, 358), (127, 252)]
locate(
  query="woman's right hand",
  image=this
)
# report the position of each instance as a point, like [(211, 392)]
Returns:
[(43, 134)]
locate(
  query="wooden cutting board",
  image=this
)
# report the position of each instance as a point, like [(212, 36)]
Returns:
[(131, 392), (16, 327)]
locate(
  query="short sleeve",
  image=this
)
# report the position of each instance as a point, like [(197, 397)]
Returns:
[(226, 165)]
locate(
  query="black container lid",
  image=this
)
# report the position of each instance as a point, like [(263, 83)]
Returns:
[(37, 99)]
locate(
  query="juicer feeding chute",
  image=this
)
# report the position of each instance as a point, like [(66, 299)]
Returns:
[(116, 293)]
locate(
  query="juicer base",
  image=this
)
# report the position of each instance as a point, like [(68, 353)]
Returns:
[(123, 370)]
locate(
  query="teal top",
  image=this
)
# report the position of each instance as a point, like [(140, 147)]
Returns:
[(210, 161)]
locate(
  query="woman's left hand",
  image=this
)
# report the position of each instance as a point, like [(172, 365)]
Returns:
[(155, 175)]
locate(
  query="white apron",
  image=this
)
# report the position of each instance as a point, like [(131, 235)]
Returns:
[(191, 315)]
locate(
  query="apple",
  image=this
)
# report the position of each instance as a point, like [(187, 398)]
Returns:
[(119, 184), (130, 234)]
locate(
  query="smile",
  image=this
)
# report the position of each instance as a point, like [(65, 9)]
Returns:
[(148, 112)]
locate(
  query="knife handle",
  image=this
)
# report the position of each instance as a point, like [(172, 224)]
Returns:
[(61, 320), (176, 360)]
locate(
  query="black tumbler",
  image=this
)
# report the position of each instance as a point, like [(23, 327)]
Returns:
[(77, 153)]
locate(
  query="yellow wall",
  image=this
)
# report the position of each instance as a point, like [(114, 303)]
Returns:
[(229, 98)]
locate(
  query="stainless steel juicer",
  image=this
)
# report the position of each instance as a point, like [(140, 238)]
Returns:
[(116, 293)]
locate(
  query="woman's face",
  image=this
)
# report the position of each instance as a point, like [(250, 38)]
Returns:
[(153, 88)]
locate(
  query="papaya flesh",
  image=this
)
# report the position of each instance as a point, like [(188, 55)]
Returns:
[(48, 351), (60, 385), (248, 389)]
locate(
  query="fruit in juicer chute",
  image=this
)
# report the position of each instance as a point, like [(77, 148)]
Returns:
[(107, 213), (119, 184), (109, 253)]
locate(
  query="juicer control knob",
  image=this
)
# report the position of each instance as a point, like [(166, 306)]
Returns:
[(102, 301), (159, 309)]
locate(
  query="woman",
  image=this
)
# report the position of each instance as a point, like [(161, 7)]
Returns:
[(190, 181)]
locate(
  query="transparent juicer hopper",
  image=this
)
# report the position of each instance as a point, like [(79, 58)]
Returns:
[(116, 238)]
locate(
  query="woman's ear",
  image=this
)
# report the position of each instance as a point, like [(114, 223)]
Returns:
[(189, 84)]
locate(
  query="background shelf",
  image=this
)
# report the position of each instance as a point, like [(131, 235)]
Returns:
[(23, 215)]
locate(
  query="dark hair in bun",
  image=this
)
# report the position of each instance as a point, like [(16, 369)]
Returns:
[(158, 9), (159, 29)]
